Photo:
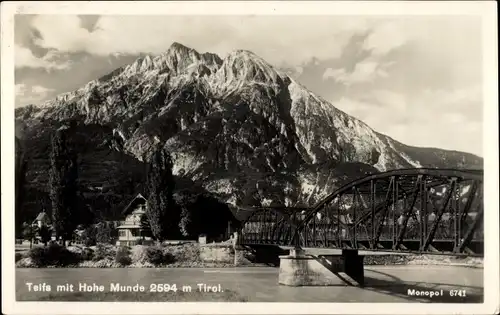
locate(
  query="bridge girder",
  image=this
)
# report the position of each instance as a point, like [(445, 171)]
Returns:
[(424, 210)]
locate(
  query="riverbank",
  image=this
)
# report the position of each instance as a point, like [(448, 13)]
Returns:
[(187, 255), (192, 255)]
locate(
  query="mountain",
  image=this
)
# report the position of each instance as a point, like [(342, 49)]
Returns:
[(237, 128)]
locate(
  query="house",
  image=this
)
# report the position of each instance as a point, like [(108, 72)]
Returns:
[(132, 230), (78, 236), (42, 219)]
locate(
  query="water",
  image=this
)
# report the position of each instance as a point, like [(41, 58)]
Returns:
[(383, 283)]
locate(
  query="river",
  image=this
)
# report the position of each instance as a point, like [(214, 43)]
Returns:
[(260, 284)]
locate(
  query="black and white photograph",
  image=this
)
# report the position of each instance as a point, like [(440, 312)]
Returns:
[(216, 152)]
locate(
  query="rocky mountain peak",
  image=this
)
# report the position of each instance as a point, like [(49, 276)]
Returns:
[(176, 60), (248, 66), (179, 59), (242, 69), (180, 48), (236, 126)]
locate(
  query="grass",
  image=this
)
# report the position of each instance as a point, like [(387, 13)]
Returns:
[(195, 296)]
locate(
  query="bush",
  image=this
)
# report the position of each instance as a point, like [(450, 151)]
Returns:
[(89, 242), (87, 254), (89, 236), (183, 253), (45, 233), (154, 255), (122, 256), (53, 255), (19, 256), (168, 258), (105, 233), (103, 251), (37, 255), (61, 256)]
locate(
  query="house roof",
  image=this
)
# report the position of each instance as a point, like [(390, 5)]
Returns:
[(137, 199), (42, 216)]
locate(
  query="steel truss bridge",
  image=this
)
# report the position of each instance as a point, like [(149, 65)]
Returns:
[(408, 210)]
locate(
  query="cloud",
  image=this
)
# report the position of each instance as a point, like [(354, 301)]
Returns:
[(266, 36), (364, 71), (24, 58), (355, 107), (369, 109), (334, 73), (31, 94), (464, 97), (40, 89), (63, 33), (447, 119), (390, 99), (281, 40), (23, 89), (455, 118), (389, 35)]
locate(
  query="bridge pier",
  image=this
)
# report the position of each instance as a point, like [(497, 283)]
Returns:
[(300, 269)]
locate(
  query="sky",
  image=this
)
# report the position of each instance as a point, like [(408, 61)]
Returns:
[(417, 79)]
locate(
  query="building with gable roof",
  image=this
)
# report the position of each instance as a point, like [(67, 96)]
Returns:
[(42, 219), (131, 230)]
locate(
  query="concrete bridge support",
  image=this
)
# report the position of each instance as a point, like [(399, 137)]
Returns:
[(300, 269)]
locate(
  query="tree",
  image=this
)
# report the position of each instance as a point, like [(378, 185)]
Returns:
[(89, 235), (45, 233), (63, 186), (189, 218), (186, 222), (20, 173), (29, 232), (145, 226), (203, 214), (162, 212), (105, 232)]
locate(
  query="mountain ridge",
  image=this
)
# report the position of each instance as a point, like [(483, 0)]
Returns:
[(241, 129)]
